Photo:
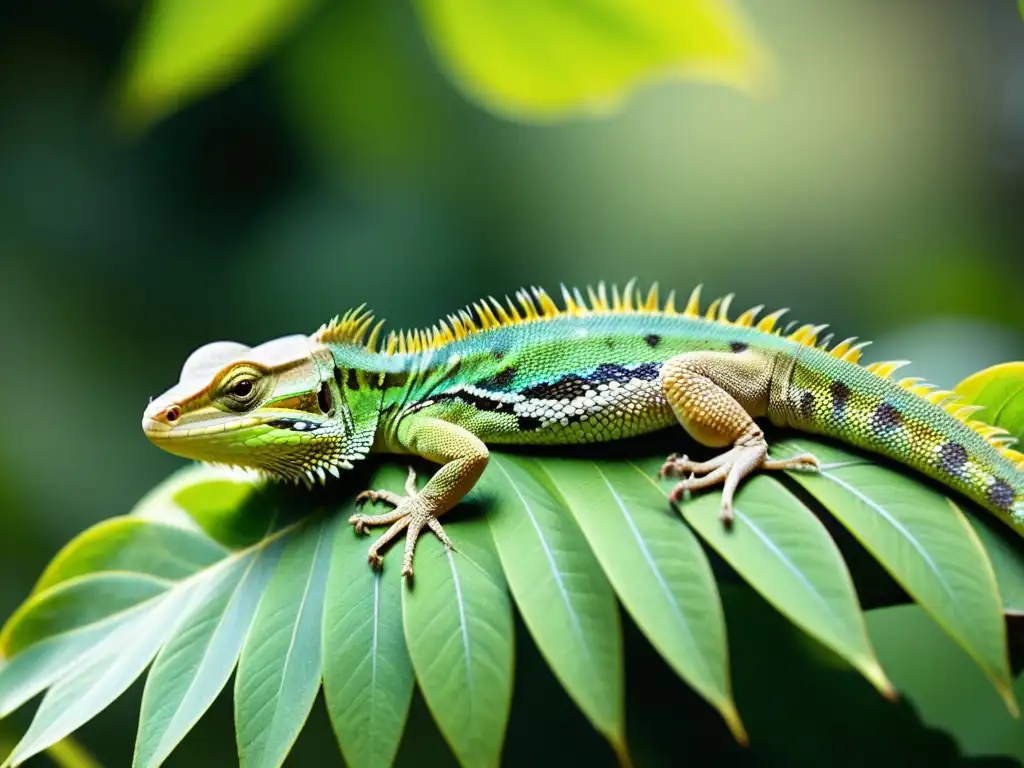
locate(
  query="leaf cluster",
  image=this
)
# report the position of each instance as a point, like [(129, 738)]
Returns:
[(215, 575)]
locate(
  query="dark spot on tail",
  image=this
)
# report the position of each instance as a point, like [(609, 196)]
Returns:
[(738, 346), (807, 406), (652, 340), (952, 458), (840, 397), (1001, 495), (886, 417)]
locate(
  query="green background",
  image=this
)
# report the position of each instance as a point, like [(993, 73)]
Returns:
[(876, 186)]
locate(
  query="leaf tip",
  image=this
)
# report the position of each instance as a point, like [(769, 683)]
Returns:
[(734, 723), (1006, 691), (889, 692), (875, 675), (622, 752)]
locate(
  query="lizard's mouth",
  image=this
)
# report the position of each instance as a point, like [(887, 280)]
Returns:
[(160, 430)]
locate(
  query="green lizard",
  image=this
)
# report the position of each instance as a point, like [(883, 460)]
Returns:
[(605, 368)]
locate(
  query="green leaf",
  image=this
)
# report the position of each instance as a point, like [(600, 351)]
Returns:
[(1001, 390), (54, 658), (784, 552), (368, 678), (1004, 552), (76, 604), (131, 586), (280, 667), (924, 541), (657, 568), (540, 59), (231, 511), (186, 48), (458, 628), (194, 666), (227, 505), (564, 597), (135, 545), (106, 672)]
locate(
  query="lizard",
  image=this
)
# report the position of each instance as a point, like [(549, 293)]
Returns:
[(611, 365)]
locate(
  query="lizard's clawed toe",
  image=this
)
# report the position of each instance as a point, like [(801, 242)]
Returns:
[(675, 466)]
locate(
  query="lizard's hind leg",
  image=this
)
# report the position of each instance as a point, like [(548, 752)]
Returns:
[(715, 396)]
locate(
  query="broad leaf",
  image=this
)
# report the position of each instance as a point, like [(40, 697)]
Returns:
[(122, 591), (458, 628), (73, 610), (77, 604), (132, 545), (1000, 389), (657, 568), (564, 597), (368, 678), (923, 541), (279, 670), (186, 48), (540, 59), (784, 552), (1004, 551), (194, 666), (44, 663), (107, 671)]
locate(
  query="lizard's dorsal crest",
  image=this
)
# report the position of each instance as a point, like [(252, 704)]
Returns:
[(356, 327)]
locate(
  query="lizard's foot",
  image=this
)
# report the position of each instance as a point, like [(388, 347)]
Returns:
[(728, 469), (411, 512)]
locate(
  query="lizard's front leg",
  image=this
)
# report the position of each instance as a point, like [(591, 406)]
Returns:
[(464, 457), (715, 396)]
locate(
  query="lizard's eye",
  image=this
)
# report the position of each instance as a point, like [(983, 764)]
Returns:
[(242, 389)]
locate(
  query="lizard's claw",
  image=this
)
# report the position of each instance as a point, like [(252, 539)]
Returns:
[(675, 466), (728, 469), (411, 512)]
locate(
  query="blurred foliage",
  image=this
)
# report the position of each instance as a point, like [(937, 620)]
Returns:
[(535, 59), (185, 48), (526, 60), (878, 187)]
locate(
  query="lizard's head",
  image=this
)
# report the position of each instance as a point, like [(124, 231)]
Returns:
[(283, 408)]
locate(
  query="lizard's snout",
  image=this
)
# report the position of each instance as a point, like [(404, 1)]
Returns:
[(159, 418)]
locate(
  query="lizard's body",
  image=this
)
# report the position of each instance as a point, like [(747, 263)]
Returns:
[(594, 371)]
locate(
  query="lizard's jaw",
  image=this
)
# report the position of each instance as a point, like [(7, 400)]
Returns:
[(283, 447)]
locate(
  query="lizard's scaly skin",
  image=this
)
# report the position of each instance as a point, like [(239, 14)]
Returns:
[(594, 370)]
